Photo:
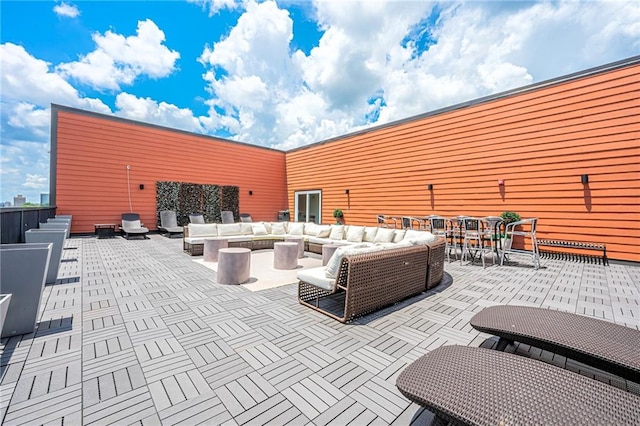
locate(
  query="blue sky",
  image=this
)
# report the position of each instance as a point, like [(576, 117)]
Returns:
[(279, 74)]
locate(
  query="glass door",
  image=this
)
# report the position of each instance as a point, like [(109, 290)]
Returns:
[(308, 206)]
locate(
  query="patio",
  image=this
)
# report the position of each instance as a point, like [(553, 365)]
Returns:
[(136, 331)]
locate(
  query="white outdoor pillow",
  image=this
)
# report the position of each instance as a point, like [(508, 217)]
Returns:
[(334, 262), (203, 230), (296, 228), (245, 228), (370, 233), (258, 229), (384, 235), (412, 233), (227, 229), (337, 232), (311, 228), (277, 228), (323, 231), (267, 226), (355, 234), (398, 235)]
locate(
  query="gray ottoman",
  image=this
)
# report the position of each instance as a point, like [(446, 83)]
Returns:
[(300, 241), (285, 255), (211, 248), (327, 252), (234, 265)]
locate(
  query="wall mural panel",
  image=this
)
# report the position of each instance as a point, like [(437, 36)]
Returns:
[(185, 198)]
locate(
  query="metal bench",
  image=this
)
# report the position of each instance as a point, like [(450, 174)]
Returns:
[(610, 347), (574, 245), (477, 386)]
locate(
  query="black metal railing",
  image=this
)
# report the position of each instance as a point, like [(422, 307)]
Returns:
[(15, 221)]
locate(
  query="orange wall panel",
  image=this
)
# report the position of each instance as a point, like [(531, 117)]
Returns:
[(539, 141), (92, 152)]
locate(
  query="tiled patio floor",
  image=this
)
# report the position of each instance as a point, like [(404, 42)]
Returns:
[(136, 332)]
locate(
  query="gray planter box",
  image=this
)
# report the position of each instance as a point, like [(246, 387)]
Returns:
[(4, 307), (55, 236), (56, 225), (24, 269)]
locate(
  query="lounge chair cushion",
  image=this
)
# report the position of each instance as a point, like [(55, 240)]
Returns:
[(317, 277)]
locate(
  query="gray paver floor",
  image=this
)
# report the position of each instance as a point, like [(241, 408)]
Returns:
[(136, 332)]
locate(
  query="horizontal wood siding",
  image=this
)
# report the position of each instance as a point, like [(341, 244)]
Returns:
[(539, 142), (93, 152)]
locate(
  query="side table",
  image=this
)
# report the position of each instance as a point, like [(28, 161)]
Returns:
[(285, 255), (105, 230), (211, 248), (234, 265), (299, 240)]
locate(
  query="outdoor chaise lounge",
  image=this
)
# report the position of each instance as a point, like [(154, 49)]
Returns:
[(169, 224), (477, 386), (601, 344), (131, 226)]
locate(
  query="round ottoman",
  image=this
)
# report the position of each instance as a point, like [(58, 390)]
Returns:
[(211, 248), (234, 265), (300, 241), (285, 255), (327, 252)]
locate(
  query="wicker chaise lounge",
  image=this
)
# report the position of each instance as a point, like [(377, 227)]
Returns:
[(601, 344), (477, 386)]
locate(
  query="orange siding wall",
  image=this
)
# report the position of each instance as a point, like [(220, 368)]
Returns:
[(93, 151), (540, 142)]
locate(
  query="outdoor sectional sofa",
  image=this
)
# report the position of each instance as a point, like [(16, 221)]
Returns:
[(262, 235)]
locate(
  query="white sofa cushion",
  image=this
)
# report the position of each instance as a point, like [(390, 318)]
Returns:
[(259, 229), (413, 234), (398, 235), (267, 226), (203, 230), (295, 228), (278, 228), (355, 234), (337, 232), (316, 277), (310, 228), (228, 229), (334, 262), (370, 233), (384, 235), (324, 231), (245, 228)]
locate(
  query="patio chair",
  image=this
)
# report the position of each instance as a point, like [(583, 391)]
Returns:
[(600, 344), (169, 224), (438, 226), (475, 241), (196, 218), (524, 228), (245, 217), (227, 216), (478, 386), (131, 226)]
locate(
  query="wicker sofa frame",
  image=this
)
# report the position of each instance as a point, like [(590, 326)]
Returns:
[(601, 344), (369, 281), (477, 386)]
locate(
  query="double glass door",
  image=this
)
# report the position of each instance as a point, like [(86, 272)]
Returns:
[(308, 206)]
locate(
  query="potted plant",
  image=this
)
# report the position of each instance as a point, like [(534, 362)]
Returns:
[(508, 217), (339, 216)]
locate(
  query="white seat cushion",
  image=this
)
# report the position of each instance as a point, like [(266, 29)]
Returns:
[(316, 277)]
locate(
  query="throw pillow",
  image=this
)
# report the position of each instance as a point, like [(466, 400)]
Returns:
[(277, 228), (384, 235), (337, 232), (310, 228), (370, 234), (324, 231), (398, 235), (296, 228), (355, 234), (227, 229), (258, 229)]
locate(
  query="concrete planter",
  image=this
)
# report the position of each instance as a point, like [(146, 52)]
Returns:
[(23, 273), (4, 307), (56, 225), (55, 236)]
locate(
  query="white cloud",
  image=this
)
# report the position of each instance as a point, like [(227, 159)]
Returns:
[(120, 60), (36, 181), (215, 6), (162, 113), (65, 9)]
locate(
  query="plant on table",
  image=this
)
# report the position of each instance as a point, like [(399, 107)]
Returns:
[(508, 217)]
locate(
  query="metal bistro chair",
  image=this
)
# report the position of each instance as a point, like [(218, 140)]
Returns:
[(493, 226), (439, 227), (409, 222), (475, 238), (456, 228), (527, 230)]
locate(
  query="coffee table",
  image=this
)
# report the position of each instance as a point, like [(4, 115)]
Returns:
[(285, 255), (234, 265)]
